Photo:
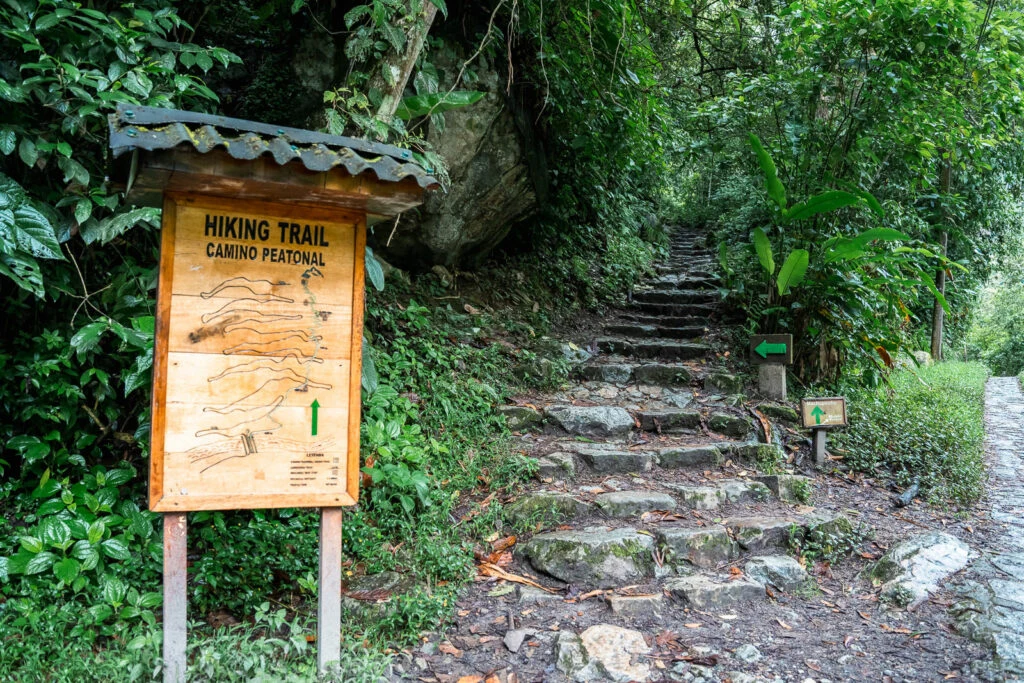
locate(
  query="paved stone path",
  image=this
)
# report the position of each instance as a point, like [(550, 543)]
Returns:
[(992, 609)]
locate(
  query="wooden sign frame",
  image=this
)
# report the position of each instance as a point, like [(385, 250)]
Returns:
[(758, 339), (806, 405), (166, 493)]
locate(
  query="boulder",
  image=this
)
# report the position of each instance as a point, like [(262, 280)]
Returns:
[(668, 420), (913, 569), (599, 558), (761, 534), (591, 421), (726, 491)]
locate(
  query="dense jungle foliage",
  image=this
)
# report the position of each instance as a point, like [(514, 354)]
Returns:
[(827, 145)]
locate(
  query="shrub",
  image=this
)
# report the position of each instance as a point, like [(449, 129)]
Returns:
[(927, 424)]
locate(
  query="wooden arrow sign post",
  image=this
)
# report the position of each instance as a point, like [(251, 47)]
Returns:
[(819, 415), (257, 353), (772, 353)]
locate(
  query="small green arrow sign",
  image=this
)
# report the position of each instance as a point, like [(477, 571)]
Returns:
[(764, 348), (817, 413), (315, 405)]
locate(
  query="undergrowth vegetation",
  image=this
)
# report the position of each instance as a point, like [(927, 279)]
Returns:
[(928, 426)]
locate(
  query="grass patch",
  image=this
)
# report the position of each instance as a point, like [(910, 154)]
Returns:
[(929, 424)]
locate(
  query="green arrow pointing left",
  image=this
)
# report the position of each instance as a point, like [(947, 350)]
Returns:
[(816, 414), (315, 405), (764, 348)]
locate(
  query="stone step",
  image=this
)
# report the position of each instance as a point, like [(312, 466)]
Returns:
[(713, 496), (655, 331), (665, 321), (705, 547), (705, 310), (699, 457), (704, 592), (608, 461), (593, 557), (662, 350), (668, 421), (633, 503), (655, 374), (676, 296), (770, 535), (679, 270), (683, 282), (591, 420)]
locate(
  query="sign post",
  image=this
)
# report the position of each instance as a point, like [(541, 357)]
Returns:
[(258, 340), (772, 353), (819, 415)]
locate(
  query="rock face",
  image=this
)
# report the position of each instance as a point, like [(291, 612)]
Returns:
[(913, 569), (603, 652), (604, 559), (493, 163), (591, 421)]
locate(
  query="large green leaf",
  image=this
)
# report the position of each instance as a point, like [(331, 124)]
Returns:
[(106, 230), (369, 374), (764, 251), (435, 103), (793, 270), (930, 284), (67, 569), (882, 234), (821, 203), (374, 271), (24, 270), (771, 175), (34, 234)]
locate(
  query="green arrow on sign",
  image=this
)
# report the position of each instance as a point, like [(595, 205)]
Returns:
[(315, 405), (816, 413), (764, 348)]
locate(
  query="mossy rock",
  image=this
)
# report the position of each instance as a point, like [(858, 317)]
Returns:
[(603, 559)]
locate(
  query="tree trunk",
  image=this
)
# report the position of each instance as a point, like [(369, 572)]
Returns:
[(400, 65), (938, 313)]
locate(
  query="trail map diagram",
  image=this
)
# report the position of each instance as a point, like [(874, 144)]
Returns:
[(278, 353)]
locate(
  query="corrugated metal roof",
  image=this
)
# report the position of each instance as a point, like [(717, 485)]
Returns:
[(153, 128)]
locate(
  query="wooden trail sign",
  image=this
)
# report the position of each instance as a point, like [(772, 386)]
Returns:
[(771, 348), (257, 363), (823, 413), (256, 368)]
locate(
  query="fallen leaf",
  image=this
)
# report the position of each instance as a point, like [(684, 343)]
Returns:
[(865, 616), (487, 639), (946, 675), (472, 311), (463, 612), (812, 665), (490, 569), (692, 625), (735, 571), (784, 624), (591, 594), (890, 629), (492, 679), (471, 679), (970, 531), (848, 639), (503, 544), (450, 649)]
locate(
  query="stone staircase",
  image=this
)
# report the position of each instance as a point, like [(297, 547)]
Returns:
[(655, 487)]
